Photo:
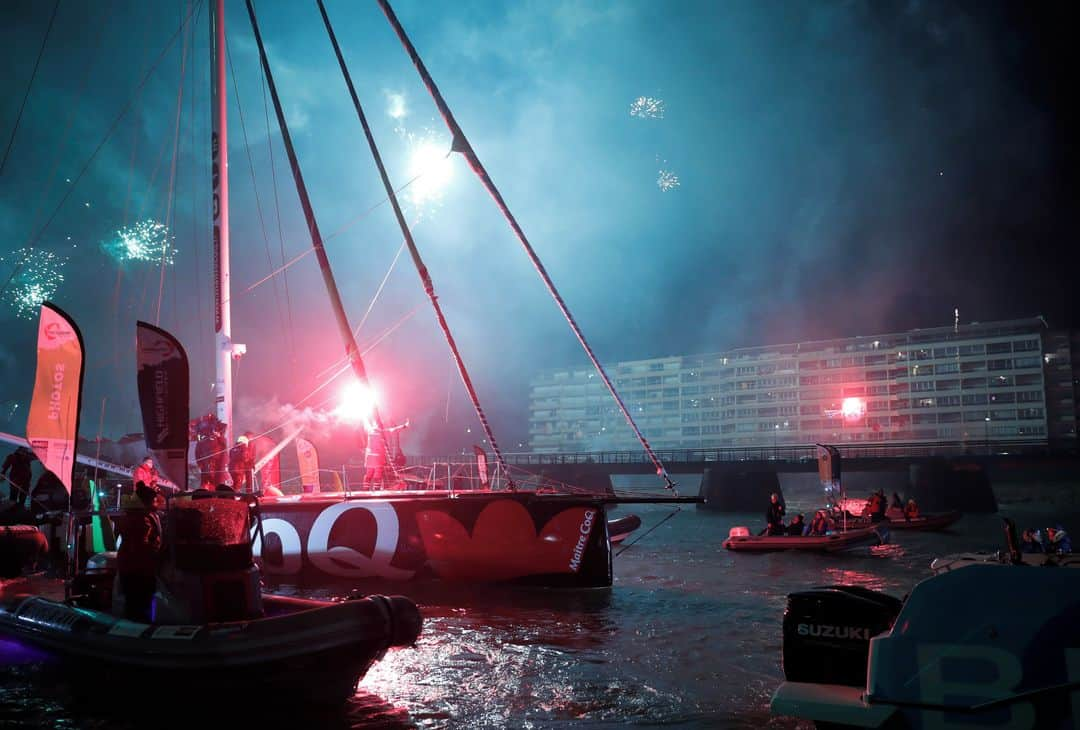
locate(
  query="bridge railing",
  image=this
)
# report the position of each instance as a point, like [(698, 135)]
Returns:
[(790, 454)]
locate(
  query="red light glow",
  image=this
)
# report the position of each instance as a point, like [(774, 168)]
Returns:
[(853, 409), (357, 403)]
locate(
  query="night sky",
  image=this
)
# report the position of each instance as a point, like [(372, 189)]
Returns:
[(842, 168)]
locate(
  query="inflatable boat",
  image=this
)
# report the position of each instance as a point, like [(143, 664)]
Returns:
[(619, 529), (209, 619), (992, 645), (740, 540), (1001, 557), (925, 523)]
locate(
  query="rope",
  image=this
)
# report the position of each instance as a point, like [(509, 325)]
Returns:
[(639, 537), (285, 332), (421, 269), (461, 144), (172, 178), (29, 85)]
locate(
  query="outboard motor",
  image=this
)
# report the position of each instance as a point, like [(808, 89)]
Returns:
[(209, 573), (827, 633)]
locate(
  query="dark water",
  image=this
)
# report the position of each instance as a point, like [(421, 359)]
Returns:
[(689, 636)]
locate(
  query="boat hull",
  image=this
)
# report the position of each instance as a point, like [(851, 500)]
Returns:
[(302, 652), (471, 537), (822, 544)]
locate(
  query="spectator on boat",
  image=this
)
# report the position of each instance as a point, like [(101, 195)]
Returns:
[(16, 470), (820, 525), (375, 452), (146, 473), (1058, 541), (1030, 542), (897, 503), (241, 464), (774, 516), (877, 506), (797, 526), (911, 511), (139, 553)]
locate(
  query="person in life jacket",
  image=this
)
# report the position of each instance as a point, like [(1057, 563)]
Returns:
[(146, 473), (820, 525), (1030, 542), (375, 452), (876, 506), (17, 471), (139, 554), (911, 510), (241, 464), (1058, 541), (797, 527)]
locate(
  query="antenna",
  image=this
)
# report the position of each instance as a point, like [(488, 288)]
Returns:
[(956, 320)]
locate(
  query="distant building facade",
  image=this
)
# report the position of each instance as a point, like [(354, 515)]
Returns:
[(986, 382)]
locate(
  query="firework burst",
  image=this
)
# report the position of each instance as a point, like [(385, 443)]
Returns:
[(646, 107), (667, 180), (146, 240), (38, 276)]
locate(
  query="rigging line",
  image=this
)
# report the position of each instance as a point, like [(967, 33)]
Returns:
[(280, 230), (258, 201), (639, 537), (345, 331), (461, 144), (342, 367), (86, 166), (382, 284), (347, 225), (421, 269), (195, 238), (169, 200), (29, 85)]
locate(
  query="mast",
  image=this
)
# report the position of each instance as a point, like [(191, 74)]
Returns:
[(219, 185)]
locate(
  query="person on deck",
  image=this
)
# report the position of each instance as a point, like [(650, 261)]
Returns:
[(819, 525), (797, 526), (897, 503), (211, 451), (1030, 542), (139, 554), (774, 516), (1058, 541), (375, 453), (911, 510), (241, 465), (17, 471)]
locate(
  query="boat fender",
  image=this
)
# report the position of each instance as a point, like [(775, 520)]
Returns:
[(739, 531)]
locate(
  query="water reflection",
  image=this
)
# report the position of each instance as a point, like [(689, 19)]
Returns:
[(689, 636)]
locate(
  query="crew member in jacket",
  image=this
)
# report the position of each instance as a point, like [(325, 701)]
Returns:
[(139, 554)]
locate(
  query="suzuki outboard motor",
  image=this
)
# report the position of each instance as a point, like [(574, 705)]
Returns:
[(827, 633)]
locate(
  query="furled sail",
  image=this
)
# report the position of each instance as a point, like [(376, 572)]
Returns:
[(308, 459), (52, 426), (163, 399)]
